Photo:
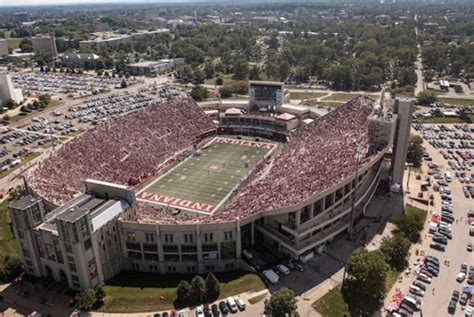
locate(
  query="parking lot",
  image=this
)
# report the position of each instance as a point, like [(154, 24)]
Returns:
[(71, 85), (440, 289)]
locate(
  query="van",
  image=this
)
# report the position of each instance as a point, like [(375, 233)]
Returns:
[(411, 302), (447, 176), (232, 305), (271, 276)]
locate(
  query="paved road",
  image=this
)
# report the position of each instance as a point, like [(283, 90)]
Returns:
[(420, 85)]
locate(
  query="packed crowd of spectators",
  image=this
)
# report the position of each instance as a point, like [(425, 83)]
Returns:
[(124, 150), (318, 156)]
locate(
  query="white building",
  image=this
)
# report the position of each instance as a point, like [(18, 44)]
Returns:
[(7, 90)]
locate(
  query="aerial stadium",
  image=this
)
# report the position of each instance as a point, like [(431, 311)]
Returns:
[(167, 189)]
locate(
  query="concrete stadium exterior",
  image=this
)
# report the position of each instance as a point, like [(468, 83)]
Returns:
[(91, 238)]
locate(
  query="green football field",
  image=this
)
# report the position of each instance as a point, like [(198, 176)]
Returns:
[(207, 177)]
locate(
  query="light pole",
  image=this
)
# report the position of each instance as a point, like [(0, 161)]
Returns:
[(356, 182)]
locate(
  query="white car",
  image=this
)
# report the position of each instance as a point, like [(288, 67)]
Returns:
[(468, 311), (283, 269), (461, 276), (199, 312)]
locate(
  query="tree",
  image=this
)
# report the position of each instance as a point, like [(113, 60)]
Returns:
[(199, 93), (364, 284), (12, 268), (9, 103), (254, 73), (212, 287), (87, 299), (219, 81), (410, 224), (209, 70), (463, 114), (183, 291), (282, 303), (241, 69), (123, 84), (426, 98), (197, 289), (415, 150), (6, 118), (225, 92), (26, 45), (45, 99), (395, 250)]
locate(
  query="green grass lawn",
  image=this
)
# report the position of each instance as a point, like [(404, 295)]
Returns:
[(457, 101), (332, 304), (140, 292), (306, 95), (211, 175), (344, 97), (7, 239), (409, 209), (324, 103), (442, 120), (14, 42), (227, 80), (53, 104)]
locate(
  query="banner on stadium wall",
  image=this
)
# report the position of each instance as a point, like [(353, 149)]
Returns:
[(93, 269)]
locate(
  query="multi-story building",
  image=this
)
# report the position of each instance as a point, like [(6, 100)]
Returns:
[(8, 91), (79, 60), (79, 242), (45, 44), (3, 48)]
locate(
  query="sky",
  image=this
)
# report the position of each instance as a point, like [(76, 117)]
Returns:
[(43, 2)]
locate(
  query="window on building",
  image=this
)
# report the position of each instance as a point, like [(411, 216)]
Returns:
[(132, 245), (188, 248), (150, 237), (168, 238), (84, 226), (134, 255), (150, 247), (170, 248), (88, 244), (72, 267), (228, 250), (68, 247), (151, 256), (131, 236)]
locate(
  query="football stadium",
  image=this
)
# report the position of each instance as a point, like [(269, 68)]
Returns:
[(167, 189)]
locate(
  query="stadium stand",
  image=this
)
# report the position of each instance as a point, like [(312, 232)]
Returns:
[(317, 157), (125, 150)]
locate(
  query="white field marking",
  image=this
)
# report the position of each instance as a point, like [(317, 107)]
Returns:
[(219, 189), (170, 180), (244, 157), (183, 177), (226, 182)]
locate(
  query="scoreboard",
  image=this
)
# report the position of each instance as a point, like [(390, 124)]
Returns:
[(266, 93)]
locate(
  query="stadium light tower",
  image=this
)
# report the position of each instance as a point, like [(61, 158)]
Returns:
[(358, 155)]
